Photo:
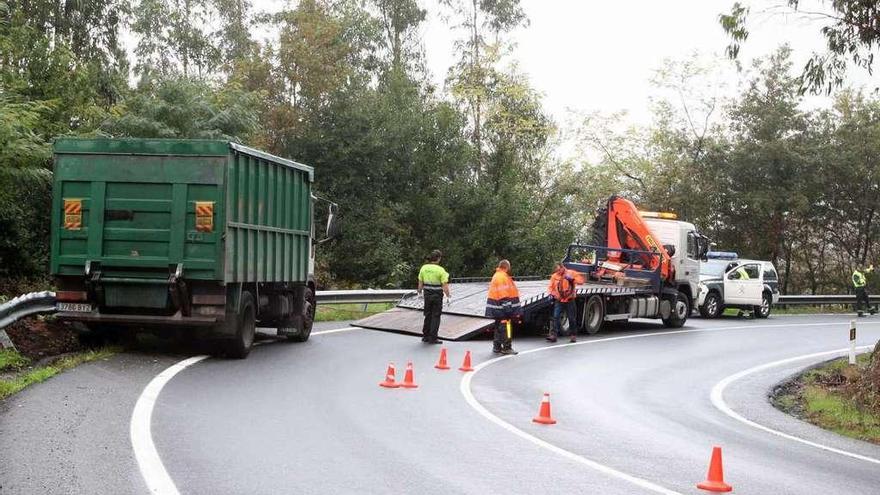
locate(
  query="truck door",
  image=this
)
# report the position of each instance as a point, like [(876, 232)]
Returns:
[(744, 291), (689, 264)]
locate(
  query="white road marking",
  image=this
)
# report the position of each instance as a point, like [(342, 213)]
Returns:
[(717, 397), (465, 388), (150, 463)]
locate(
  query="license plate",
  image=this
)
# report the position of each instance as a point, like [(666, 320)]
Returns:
[(74, 307)]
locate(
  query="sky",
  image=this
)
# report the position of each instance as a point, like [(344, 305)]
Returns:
[(591, 55)]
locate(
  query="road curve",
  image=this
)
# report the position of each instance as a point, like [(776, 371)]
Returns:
[(310, 418)]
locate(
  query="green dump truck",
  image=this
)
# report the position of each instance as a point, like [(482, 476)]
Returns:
[(204, 238)]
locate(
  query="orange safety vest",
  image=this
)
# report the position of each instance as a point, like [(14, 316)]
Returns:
[(503, 300), (562, 287)]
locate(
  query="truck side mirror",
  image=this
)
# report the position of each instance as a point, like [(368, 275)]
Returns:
[(670, 249), (332, 222)]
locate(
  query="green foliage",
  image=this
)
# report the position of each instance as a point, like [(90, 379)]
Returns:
[(11, 360), (474, 171), (179, 107), (25, 189), (850, 32), (23, 380)]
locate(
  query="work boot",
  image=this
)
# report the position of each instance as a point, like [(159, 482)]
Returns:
[(509, 352)]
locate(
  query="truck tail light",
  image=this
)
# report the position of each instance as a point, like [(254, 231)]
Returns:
[(205, 216), (72, 214), (70, 295)]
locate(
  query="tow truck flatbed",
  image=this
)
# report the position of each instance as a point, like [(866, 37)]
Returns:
[(465, 317)]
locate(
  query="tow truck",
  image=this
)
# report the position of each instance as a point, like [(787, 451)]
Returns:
[(628, 270)]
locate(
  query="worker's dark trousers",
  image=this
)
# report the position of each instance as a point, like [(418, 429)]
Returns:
[(501, 341), (433, 308), (862, 301), (571, 311)]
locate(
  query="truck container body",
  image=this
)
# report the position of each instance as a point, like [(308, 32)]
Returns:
[(185, 233)]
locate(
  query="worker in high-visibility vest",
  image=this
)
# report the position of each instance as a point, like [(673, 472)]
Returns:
[(740, 272), (860, 281), (504, 306), (563, 284), (433, 283)]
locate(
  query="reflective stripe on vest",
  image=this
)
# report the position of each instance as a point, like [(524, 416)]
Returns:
[(503, 299)]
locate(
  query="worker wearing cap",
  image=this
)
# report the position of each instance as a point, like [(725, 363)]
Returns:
[(562, 287), (433, 283), (504, 306), (860, 281)]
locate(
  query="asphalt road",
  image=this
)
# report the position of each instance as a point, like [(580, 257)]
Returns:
[(310, 418)]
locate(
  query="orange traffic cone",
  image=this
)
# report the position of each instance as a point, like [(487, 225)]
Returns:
[(466, 365), (408, 379), (389, 378), (441, 363), (543, 416), (715, 481)]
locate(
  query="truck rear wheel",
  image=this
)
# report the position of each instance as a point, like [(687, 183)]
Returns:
[(245, 322), (679, 313), (308, 317), (594, 314)]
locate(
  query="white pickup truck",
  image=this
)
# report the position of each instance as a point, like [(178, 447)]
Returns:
[(730, 282)]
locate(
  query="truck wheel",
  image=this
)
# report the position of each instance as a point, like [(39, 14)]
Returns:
[(245, 328), (308, 318), (712, 306), (763, 311), (594, 315), (680, 312)]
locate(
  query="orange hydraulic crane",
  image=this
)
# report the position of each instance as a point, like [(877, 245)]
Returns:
[(627, 230)]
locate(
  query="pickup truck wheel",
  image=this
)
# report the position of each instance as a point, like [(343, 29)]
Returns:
[(712, 306), (679, 313), (763, 311), (594, 315), (308, 318), (245, 328)]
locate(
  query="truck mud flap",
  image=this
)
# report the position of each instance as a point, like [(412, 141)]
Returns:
[(409, 321)]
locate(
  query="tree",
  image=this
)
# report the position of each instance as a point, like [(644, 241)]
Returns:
[(400, 18), (474, 76), (850, 31), (185, 108), (25, 189)]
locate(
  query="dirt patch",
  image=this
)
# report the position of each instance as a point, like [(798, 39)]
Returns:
[(37, 338)]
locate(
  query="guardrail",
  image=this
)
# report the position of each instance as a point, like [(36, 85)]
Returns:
[(44, 302), (361, 296), (820, 299), (20, 307)]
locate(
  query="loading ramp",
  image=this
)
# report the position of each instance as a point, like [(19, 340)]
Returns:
[(464, 318)]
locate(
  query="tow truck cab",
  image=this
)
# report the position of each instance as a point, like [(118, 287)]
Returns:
[(689, 248)]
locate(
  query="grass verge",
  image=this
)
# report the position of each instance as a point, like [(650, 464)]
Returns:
[(337, 312), (823, 396), (20, 376)]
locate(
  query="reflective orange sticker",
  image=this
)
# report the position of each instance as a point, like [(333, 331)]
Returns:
[(205, 216), (72, 214)]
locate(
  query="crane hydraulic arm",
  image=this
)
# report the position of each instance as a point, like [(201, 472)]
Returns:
[(625, 229)]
